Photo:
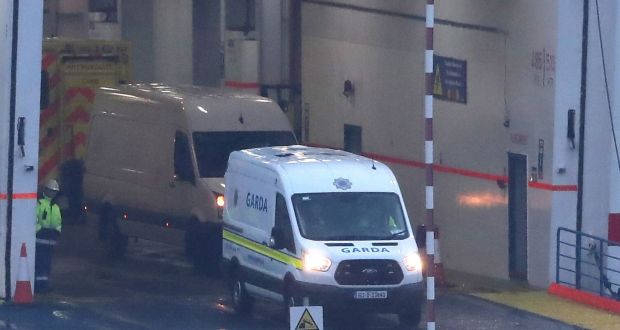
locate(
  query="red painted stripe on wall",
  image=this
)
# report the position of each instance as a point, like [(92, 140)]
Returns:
[(459, 171), (20, 196), (584, 298), (548, 186), (411, 163), (241, 84), (470, 173)]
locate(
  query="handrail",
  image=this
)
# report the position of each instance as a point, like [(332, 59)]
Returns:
[(595, 259)]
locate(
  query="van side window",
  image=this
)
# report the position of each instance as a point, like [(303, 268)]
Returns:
[(283, 223), (182, 158)]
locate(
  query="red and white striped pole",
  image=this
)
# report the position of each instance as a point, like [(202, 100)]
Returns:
[(428, 160)]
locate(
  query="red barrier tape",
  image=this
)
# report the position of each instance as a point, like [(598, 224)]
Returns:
[(20, 196)]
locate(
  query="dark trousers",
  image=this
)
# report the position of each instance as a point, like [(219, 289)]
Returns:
[(46, 240)]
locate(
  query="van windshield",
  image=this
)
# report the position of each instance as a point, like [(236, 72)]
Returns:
[(350, 216), (213, 148)]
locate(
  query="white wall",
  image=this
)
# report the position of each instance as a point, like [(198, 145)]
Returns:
[(28, 74), (383, 56), (567, 90), (6, 13), (271, 49), (598, 150), (172, 41), (614, 179), (531, 88), (161, 36), (472, 137), (72, 19), (137, 28)]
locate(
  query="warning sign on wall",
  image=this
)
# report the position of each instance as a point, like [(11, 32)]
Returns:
[(450, 79), (306, 317)]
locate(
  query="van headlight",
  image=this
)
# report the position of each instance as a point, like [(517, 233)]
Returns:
[(315, 261), (413, 262)]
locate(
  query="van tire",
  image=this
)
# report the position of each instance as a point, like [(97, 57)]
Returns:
[(291, 298), (214, 248), (114, 242), (241, 301), (196, 245), (203, 246), (192, 240), (410, 319)]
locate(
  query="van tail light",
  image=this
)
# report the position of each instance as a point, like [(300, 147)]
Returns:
[(219, 201)]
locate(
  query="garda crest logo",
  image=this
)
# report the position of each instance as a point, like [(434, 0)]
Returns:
[(342, 183)]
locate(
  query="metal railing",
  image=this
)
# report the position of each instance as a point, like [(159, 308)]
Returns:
[(589, 263)]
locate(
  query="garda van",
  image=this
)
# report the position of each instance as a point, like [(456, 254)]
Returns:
[(156, 158), (317, 226)]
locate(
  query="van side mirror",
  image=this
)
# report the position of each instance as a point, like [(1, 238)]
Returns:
[(277, 238)]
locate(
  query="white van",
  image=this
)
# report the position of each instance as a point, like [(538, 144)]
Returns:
[(156, 158), (319, 226)]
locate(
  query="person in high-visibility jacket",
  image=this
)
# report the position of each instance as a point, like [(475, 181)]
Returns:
[(49, 225)]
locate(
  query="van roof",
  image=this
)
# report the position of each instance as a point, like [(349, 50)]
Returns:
[(205, 108), (311, 169)]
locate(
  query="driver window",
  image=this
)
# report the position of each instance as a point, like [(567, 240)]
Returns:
[(182, 158), (283, 222)]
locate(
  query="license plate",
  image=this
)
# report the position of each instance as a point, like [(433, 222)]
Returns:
[(370, 295)]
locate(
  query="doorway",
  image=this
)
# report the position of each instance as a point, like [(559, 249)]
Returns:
[(353, 139), (517, 216)]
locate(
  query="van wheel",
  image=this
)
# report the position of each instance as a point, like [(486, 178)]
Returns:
[(242, 302), (291, 299), (411, 318), (214, 248), (195, 245), (114, 242), (203, 246)]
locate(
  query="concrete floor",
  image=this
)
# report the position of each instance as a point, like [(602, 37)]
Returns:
[(154, 287), (521, 296)]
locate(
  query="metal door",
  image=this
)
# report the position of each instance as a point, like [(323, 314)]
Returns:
[(353, 138), (517, 215)]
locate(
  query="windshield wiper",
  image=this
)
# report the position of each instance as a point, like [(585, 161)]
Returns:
[(396, 234)]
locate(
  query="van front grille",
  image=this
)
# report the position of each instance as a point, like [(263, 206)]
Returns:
[(368, 272)]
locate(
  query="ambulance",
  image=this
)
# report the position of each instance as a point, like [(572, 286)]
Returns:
[(316, 226)]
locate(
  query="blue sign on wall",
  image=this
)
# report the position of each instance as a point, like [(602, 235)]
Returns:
[(450, 79)]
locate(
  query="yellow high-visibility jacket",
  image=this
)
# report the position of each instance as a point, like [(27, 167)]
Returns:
[(48, 215)]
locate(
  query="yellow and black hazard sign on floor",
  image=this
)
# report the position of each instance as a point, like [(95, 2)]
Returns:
[(306, 318)]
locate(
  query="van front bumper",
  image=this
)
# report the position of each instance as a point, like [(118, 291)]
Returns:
[(399, 299)]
